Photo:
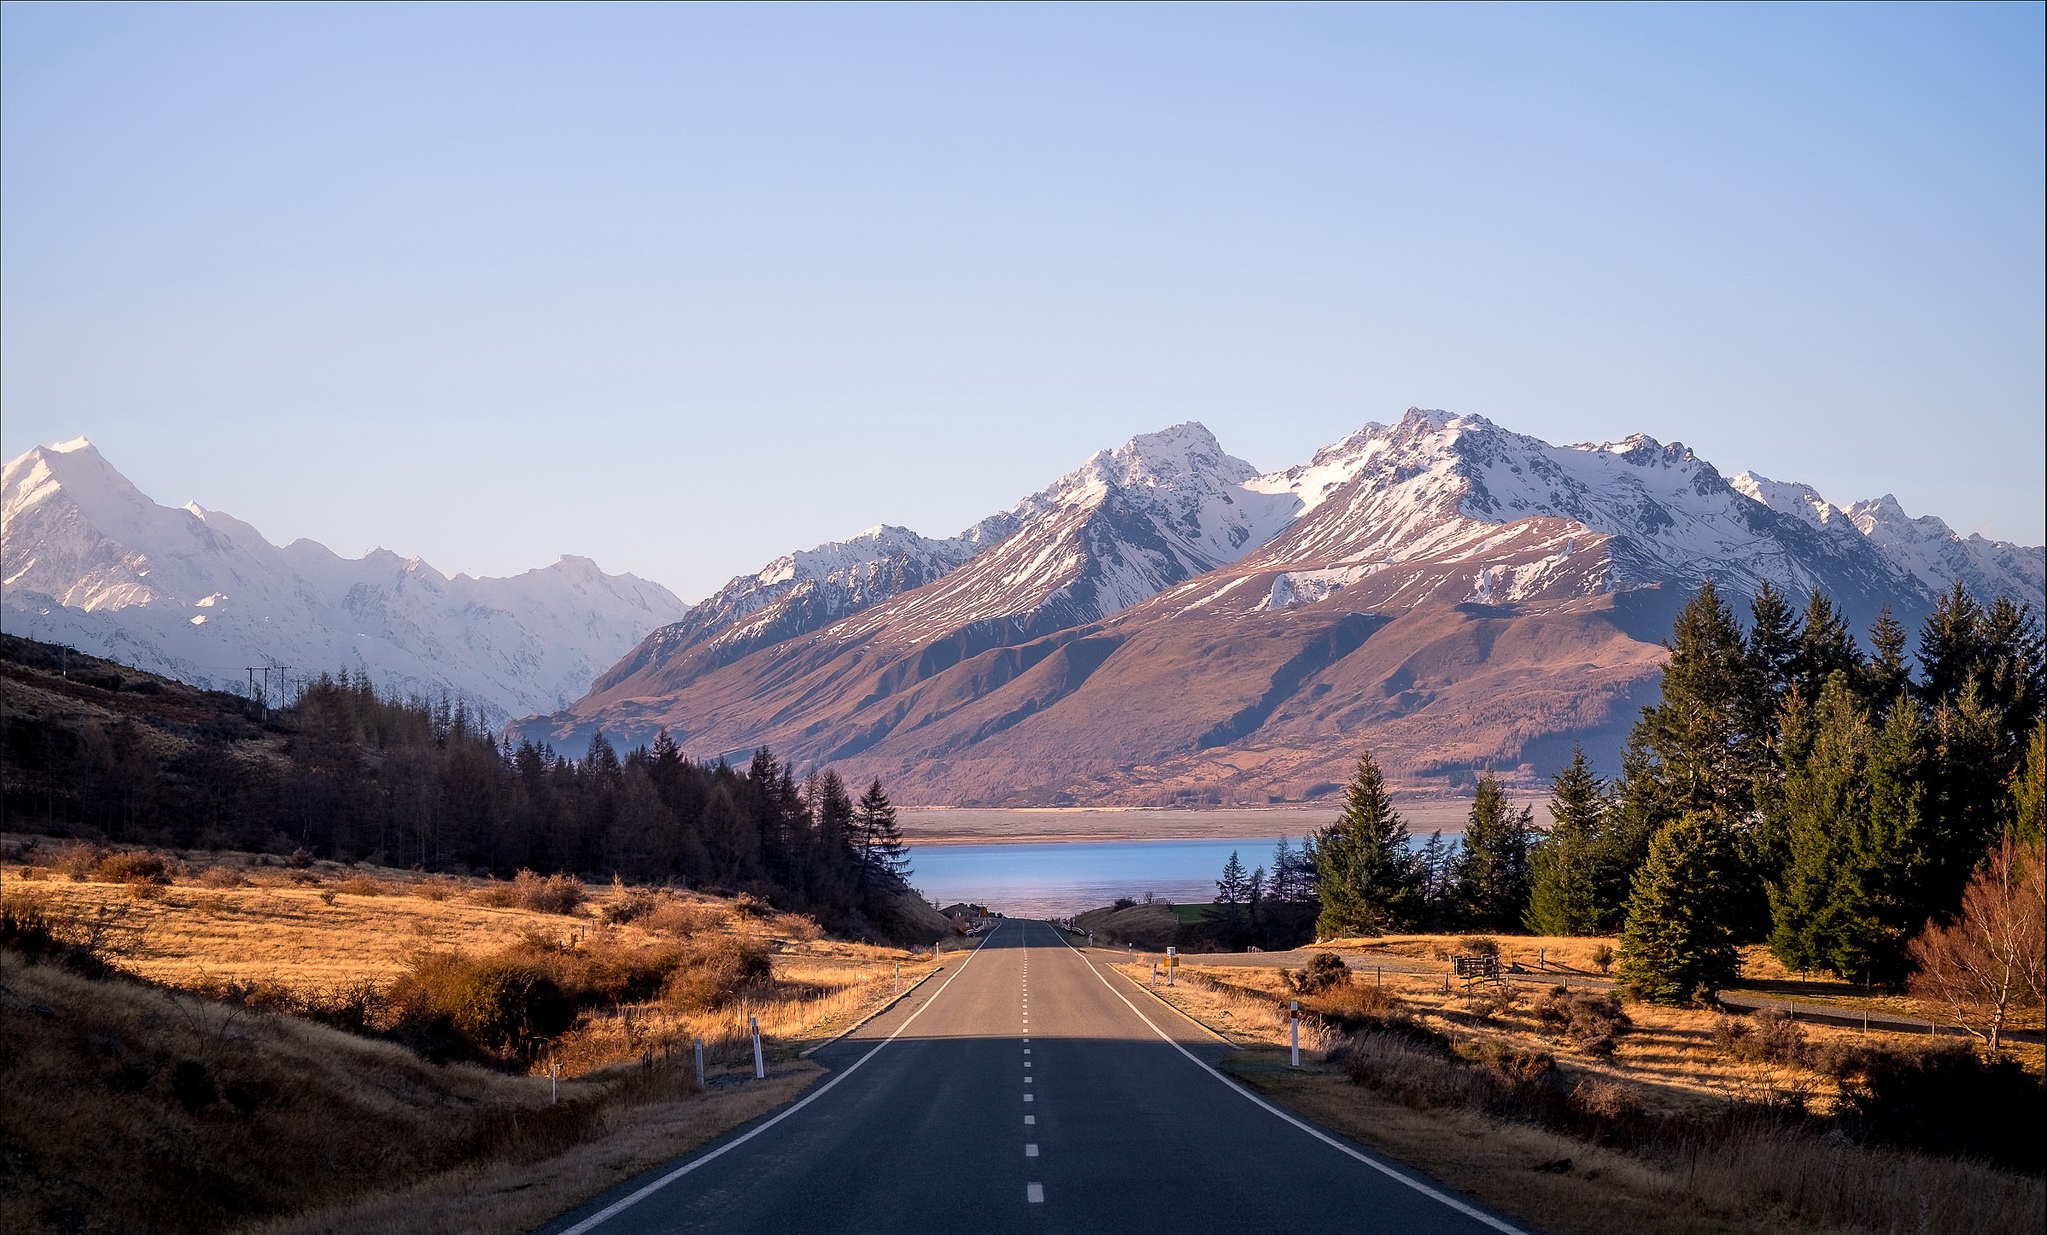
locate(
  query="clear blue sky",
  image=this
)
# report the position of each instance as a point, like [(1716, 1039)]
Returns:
[(685, 288)]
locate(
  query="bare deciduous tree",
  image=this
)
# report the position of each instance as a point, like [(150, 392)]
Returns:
[(1988, 962)]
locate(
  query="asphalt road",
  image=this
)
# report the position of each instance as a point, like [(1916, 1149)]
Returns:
[(1021, 1089)]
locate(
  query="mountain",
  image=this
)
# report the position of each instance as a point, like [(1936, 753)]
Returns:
[(1163, 625), (89, 560)]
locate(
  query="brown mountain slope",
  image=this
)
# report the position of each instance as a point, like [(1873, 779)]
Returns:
[(1207, 693)]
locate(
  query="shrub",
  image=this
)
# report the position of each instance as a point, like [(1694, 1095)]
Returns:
[(435, 888), (1479, 945), (1589, 1019), (717, 971), (681, 918), (1324, 971), (1770, 1037), (30, 931), (541, 893), (132, 866), (629, 904), (1124, 902), (360, 885), (1602, 958), (496, 1006), (222, 877), (79, 862), (1943, 1099)]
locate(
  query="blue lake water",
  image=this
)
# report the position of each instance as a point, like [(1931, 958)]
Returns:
[(1067, 877), (1054, 880)]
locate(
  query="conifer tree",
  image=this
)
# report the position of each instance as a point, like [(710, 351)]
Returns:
[(2029, 794), (1824, 647), (1887, 675), (1438, 882), (1826, 796), (1234, 888), (1368, 879), (1677, 945), (1772, 644), (1490, 878), (883, 862), (1285, 882), (1693, 749), (1572, 886)]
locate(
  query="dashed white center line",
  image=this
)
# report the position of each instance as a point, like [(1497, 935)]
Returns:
[(1030, 1097), (1031, 1120), (1027, 1050), (1030, 1151), (1027, 1063), (1034, 1193)]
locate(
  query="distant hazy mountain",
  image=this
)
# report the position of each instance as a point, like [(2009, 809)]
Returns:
[(87, 559), (1164, 625)]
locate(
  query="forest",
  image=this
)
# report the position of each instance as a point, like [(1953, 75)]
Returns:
[(99, 751), (1864, 811)]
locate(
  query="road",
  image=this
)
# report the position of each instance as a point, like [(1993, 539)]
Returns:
[(1024, 1089)]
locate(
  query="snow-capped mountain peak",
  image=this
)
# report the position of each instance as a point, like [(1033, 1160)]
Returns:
[(90, 560)]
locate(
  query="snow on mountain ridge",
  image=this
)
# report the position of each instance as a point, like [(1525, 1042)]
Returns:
[(89, 560)]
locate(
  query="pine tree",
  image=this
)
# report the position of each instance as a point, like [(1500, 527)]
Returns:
[(1826, 796), (1677, 945), (1887, 675), (1234, 888), (2029, 793), (1438, 882), (1773, 641), (1569, 882), (1698, 751), (1284, 885), (1490, 878), (1368, 879), (883, 862), (1824, 647), (1694, 748)]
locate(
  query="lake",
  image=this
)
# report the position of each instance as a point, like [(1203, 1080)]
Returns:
[(1056, 880), (1050, 880)]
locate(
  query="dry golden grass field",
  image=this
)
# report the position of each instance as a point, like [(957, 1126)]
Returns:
[(1664, 1063), (191, 1068)]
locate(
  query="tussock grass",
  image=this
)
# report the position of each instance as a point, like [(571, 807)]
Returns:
[(204, 1096), (1580, 1116)]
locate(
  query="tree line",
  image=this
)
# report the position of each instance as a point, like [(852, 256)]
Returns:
[(1790, 787), (347, 772)]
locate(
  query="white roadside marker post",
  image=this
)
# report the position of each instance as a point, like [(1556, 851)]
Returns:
[(554, 1081), (899, 977), (1154, 974), (700, 1063), (1294, 1023), (1172, 966), (760, 1067)]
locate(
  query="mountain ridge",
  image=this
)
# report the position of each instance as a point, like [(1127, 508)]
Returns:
[(89, 560), (1450, 532)]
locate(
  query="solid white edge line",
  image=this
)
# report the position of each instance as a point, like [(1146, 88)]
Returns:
[(1434, 1194), (624, 1203)]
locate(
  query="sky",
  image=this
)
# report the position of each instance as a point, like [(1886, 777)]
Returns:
[(683, 289)]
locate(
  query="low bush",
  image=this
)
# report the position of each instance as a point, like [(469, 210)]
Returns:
[(103, 865), (448, 1003), (360, 885), (1479, 945), (1943, 1099), (716, 972), (1324, 971), (542, 894), (629, 904), (436, 888), (1769, 1037), (222, 877), (31, 932), (1590, 1020)]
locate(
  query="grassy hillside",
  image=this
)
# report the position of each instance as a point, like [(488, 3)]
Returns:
[(1583, 1117), (192, 1088)]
